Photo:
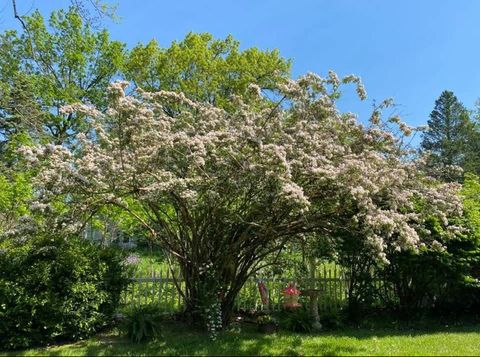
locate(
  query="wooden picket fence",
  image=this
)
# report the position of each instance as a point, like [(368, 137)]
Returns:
[(160, 289)]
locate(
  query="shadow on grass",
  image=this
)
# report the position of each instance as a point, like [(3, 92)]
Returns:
[(241, 345), (399, 330), (179, 340)]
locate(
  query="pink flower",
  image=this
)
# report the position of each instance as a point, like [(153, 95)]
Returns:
[(291, 290)]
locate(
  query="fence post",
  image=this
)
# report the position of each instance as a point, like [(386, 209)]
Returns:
[(335, 287), (167, 287), (160, 287), (153, 286), (133, 291), (178, 292)]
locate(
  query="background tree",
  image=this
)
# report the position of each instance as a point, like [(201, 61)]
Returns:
[(48, 66), (42, 68), (471, 201), (472, 159), (205, 69), (92, 11), (448, 137), (20, 114)]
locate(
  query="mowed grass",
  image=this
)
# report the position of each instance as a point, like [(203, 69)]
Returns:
[(152, 261), (347, 342)]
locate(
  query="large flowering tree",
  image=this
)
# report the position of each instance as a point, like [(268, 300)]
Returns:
[(223, 190)]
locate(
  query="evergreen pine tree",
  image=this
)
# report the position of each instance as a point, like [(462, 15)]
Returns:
[(448, 137)]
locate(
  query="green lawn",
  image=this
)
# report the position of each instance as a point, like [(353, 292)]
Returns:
[(151, 260), (178, 341)]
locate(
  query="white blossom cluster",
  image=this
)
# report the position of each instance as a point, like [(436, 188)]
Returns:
[(276, 169)]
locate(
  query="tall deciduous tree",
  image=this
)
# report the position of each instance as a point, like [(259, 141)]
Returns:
[(48, 66), (205, 69), (447, 137), (92, 11), (43, 68)]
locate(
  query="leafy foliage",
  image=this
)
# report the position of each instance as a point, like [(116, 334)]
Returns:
[(222, 159), (296, 320), (52, 65), (53, 288), (205, 69), (15, 191), (143, 323), (441, 275), (436, 276), (471, 201)]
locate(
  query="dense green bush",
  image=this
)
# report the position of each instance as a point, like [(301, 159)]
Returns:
[(442, 276), (442, 280), (54, 288)]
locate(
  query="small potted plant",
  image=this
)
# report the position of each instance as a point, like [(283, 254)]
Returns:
[(266, 324)]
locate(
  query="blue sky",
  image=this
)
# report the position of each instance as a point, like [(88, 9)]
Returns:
[(410, 50)]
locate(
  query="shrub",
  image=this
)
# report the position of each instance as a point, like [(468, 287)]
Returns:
[(331, 321), (433, 281), (142, 323), (354, 254), (55, 288), (332, 316), (296, 320), (442, 279), (441, 276)]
